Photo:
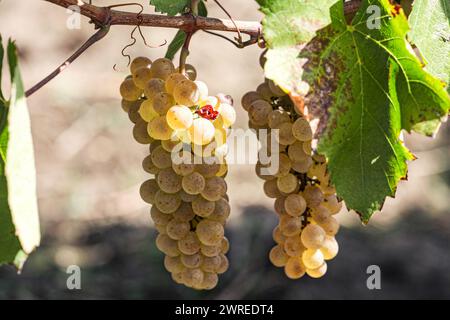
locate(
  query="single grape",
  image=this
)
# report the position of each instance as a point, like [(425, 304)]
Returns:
[(159, 217), (179, 117), (208, 168), (285, 136), (249, 98), (224, 264), (173, 264), (167, 245), (294, 268), (277, 118), (318, 272), (172, 80), (210, 251), (313, 196), (279, 205), (259, 112), (153, 87), (186, 93), (202, 131), (209, 232), (330, 225), (171, 145), (227, 114), (331, 203), (140, 133), (162, 102), (139, 62), (295, 205), (203, 207), (329, 248), (162, 68), (189, 244), (221, 211), (296, 153), (159, 129), (271, 189), (186, 197), (189, 71), (264, 91), (276, 90), (129, 91), (287, 183), (148, 166), (167, 202), (302, 166), (215, 188), (320, 213), (278, 236), (169, 181), (183, 169), (225, 245), (161, 158), (291, 226), (293, 246), (141, 76), (147, 112), (202, 88), (301, 130), (284, 165), (192, 277), (148, 191), (211, 264), (312, 258), (210, 280), (192, 261), (193, 183), (277, 256), (313, 236)]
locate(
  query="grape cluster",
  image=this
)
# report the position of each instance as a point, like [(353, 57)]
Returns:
[(305, 201), (186, 129)]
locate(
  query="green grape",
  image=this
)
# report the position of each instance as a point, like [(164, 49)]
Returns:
[(302, 166), (133, 112), (192, 277), (153, 87), (148, 165), (313, 196), (149, 190), (190, 244), (277, 256), (162, 102), (203, 207), (214, 189), (141, 76), (295, 205), (173, 264), (291, 226), (227, 115), (302, 130), (167, 202), (313, 236), (211, 264), (162, 68), (172, 80), (139, 62), (184, 212), (177, 229), (147, 112), (225, 245), (159, 129), (201, 132), (296, 153), (332, 204), (189, 71), (183, 169), (271, 189), (161, 158), (279, 205), (209, 232), (223, 265), (167, 245), (278, 236), (129, 91), (210, 251), (186, 93), (318, 272), (287, 183), (192, 261), (221, 211), (320, 213), (202, 88), (276, 90), (159, 217), (169, 181), (127, 105), (140, 133), (264, 91), (312, 258), (293, 246), (284, 165), (329, 248), (208, 169), (179, 118), (294, 268), (259, 112), (210, 280), (177, 277), (193, 183), (285, 136), (277, 117), (249, 98), (330, 225)]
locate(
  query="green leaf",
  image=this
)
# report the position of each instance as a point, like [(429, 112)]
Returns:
[(430, 32), (366, 86), (287, 25), (171, 7), (177, 42), (19, 222)]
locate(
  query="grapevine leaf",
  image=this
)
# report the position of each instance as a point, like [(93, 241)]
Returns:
[(366, 86), (171, 7), (430, 32), (19, 222), (177, 42), (287, 25)]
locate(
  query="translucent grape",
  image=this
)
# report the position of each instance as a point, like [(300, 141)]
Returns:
[(141, 76), (227, 114), (301, 130), (167, 202), (203, 207), (177, 229), (153, 87), (330, 225), (215, 188), (162, 102), (202, 131), (189, 244), (209, 232), (295, 205), (183, 169), (285, 136), (208, 169), (189, 71), (172, 80), (210, 280), (129, 91), (318, 272), (279, 205), (210, 251), (184, 212), (192, 277), (249, 98), (159, 217), (159, 129), (167, 245), (147, 112), (179, 117), (284, 165), (139, 62), (161, 158), (313, 236), (313, 196), (162, 68), (225, 245), (294, 268), (140, 133), (302, 166), (320, 213), (171, 145), (291, 226), (224, 264), (271, 189), (287, 183), (169, 181), (186, 93), (221, 211), (202, 88), (148, 166), (278, 236), (211, 264), (186, 197), (312, 258), (277, 256), (293, 246), (329, 248), (193, 183), (148, 191), (173, 264), (192, 261)]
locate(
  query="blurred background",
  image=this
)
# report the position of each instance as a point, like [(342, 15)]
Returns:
[(89, 172)]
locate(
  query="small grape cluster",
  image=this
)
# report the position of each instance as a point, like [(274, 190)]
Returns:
[(186, 129), (305, 201)]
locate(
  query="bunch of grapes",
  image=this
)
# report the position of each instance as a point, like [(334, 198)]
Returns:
[(305, 201), (186, 129)]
